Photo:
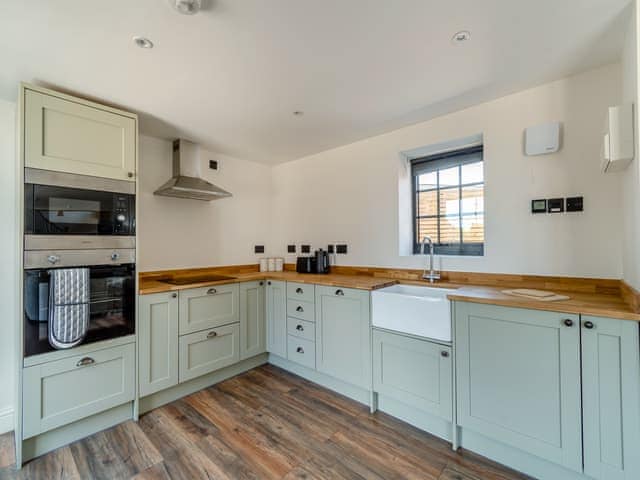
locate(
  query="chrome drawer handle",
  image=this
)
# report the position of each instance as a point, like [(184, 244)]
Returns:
[(212, 291), (299, 309), (300, 350), (53, 259), (85, 361), (300, 328), (340, 293), (588, 324), (174, 295), (299, 290), (212, 334), (444, 353), (568, 322)]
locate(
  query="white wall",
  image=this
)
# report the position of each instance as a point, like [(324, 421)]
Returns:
[(351, 193), (177, 233), (631, 176), (9, 291)]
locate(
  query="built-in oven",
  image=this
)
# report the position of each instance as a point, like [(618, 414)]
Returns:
[(110, 299)]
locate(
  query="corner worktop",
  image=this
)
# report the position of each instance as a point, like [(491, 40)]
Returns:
[(587, 297)]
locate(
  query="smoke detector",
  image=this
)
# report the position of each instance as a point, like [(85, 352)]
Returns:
[(186, 7)]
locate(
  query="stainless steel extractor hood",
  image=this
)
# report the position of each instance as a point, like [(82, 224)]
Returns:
[(187, 181)]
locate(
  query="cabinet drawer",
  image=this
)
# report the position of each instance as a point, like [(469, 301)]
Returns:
[(301, 329), (209, 350), (208, 307), (301, 351), (60, 392), (302, 310), (300, 291)]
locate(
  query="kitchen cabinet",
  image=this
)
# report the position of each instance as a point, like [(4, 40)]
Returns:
[(208, 307), (304, 292), (343, 344), (302, 351), (611, 398), (252, 319), (276, 303), (415, 372), (207, 351), (75, 136), (518, 374), (158, 342), (60, 392)]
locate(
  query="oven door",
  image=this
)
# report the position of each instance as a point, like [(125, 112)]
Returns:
[(56, 210), (112, 306)]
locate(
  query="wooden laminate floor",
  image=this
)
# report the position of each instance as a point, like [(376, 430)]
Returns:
[(263, 424)]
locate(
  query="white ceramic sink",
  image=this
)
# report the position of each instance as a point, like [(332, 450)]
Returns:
[(416, 310)]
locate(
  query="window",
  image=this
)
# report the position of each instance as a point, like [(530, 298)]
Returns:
[(448, 201)]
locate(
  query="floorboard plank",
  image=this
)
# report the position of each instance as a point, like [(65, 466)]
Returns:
[(7, 450)]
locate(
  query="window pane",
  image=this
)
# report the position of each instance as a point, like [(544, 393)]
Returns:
[(427, 180), (473, 173), (449, 177), (427, 227), (427, 203), (473, 228), (449, 201), (473, 199), (449, 229)]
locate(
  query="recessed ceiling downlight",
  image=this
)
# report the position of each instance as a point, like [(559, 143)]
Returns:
[(460, 37), (186, 7), (143, 42)]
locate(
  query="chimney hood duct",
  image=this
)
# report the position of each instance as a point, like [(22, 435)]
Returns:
[(187, 181)]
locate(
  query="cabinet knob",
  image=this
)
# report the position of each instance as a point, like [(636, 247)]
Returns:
[(340, 292), (268, 283), (53, 259), (212, 334), (85, 361), (299, 309), (588, 324), (174, 295), (130, 174), (568, 322), (261, 283), (300, 328), (212, 291), (115, 256), (300, 350), (299, 290), (444, 353)]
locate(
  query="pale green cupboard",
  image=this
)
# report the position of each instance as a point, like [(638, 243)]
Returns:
[(518, 379), (611, 398), (276, 303), (343, 342), (158, 342), (253, 326), (413, 371)]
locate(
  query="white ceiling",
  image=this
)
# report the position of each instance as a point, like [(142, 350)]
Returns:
[(231, 76)]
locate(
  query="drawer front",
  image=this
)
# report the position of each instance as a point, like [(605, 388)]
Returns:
[(301, 329), (207, 351), (208, 307), (302, 310), (301, 351), (60, 392), (300, 291)]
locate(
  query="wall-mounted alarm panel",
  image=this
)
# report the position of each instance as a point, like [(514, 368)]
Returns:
[(542, 139)]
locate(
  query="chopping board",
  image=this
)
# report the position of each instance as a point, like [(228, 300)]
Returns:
[(538, 295)]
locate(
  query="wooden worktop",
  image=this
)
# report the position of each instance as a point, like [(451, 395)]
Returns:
[(598, 297)]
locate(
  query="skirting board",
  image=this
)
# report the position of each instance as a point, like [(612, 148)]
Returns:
[(355, 393), (6, 420), (187, 388)]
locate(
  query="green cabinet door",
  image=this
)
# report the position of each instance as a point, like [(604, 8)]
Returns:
[(611, 398), (158, 342), (413, 371), (252, 319), (518, 379), (277, 318), (343, 343)]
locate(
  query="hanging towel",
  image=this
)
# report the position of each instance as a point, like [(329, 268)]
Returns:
[(68, 306)]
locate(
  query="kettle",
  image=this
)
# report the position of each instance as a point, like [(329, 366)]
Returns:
[(322, 261)]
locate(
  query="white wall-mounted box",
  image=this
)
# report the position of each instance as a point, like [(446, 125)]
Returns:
[(542, 139), (618, 142)]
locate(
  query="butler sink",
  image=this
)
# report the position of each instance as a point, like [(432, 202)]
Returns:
[(416, 310)]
